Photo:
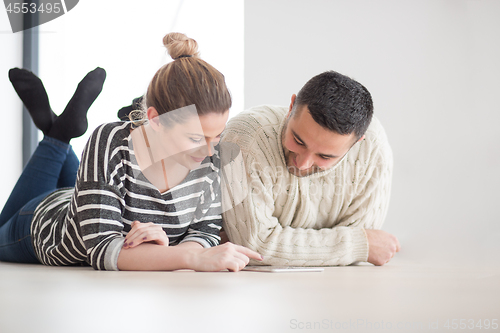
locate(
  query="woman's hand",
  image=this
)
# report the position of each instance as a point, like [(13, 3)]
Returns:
[(226, 256), (144, 233)]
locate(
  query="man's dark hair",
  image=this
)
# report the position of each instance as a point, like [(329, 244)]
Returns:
[(337, 102)]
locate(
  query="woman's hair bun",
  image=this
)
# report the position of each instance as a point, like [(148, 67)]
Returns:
[(178, 45)]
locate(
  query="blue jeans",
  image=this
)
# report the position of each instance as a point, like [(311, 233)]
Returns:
[(53, 165)]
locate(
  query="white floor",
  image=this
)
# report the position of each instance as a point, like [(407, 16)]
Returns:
[(399, 297)]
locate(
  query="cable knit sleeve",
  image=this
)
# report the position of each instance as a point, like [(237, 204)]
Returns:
[(370, 168)]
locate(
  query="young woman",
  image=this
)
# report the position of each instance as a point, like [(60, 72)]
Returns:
[(141, 187)]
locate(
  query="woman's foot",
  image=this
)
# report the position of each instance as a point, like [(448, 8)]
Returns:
[(72, 122), (32, 92)]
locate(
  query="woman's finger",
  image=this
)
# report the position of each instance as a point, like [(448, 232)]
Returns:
[(249, 253), (138, 238), (242, 257), (157, 236), (134, 227), (235, 265), (145, 232)]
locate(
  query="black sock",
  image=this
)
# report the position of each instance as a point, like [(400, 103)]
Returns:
[(32, 92), (72, 123), (125, 111)]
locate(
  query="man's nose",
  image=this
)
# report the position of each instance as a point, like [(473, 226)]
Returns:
[(304, 161)]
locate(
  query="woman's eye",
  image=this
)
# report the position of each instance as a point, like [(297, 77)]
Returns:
[(195, 140)]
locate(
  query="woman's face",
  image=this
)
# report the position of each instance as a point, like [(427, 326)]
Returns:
[(190, 142)]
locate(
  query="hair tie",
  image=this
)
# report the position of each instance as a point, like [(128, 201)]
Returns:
[(183, 56)]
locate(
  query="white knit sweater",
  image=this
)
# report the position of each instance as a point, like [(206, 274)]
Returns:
[(317, 220)]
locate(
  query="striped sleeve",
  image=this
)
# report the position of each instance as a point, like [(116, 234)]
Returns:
[(98, 205), (207, 223), (99, 216)]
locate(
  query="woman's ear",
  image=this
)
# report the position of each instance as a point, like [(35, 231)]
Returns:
[(153, 117)]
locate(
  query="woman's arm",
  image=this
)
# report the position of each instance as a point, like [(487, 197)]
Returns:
[(189, 255)]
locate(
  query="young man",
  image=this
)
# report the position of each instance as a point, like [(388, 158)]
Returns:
[(318, 177)]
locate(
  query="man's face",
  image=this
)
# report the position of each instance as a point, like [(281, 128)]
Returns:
[(310, 148)]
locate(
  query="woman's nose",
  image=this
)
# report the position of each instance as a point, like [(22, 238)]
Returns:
[(208, 149)]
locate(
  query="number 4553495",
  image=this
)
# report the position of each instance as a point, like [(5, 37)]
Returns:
[(32, 8), (463, 324)]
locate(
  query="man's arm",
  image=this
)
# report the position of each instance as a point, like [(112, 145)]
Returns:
[(371, 205)]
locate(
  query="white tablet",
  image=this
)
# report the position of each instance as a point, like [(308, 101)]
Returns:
[(282, 269)]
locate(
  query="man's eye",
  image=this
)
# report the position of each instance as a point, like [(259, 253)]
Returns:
[(298, 142), (326, 158)]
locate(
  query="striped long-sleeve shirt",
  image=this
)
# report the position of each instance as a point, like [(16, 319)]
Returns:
[(89, 223)]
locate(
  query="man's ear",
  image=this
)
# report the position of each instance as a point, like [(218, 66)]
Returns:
[(291, 105), (361, 138), (153, 117)]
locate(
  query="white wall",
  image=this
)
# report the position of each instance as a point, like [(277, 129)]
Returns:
[(124, 39), (11, 110), (432, 68)]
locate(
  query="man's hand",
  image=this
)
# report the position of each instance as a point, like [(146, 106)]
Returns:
[(382, 246)]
